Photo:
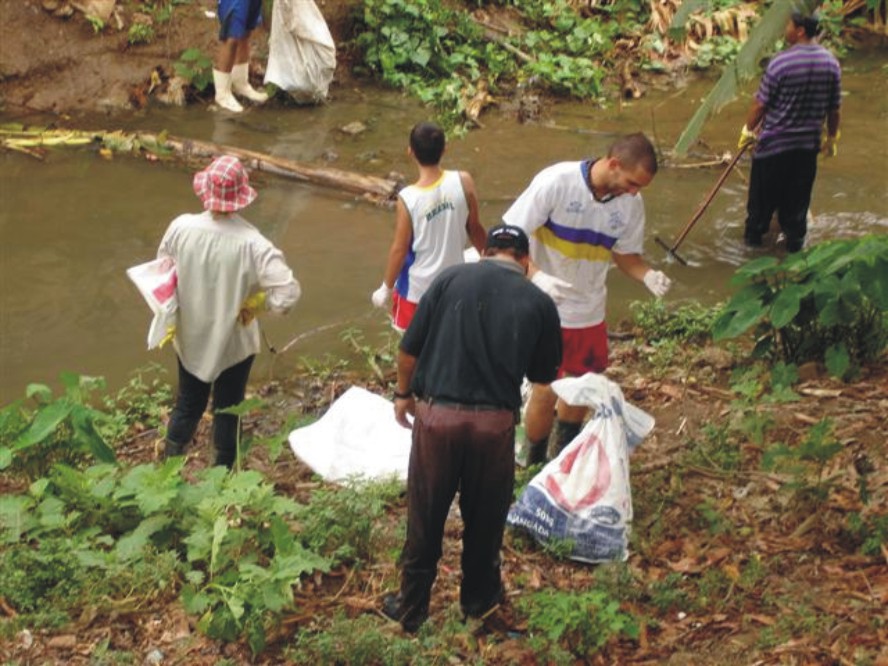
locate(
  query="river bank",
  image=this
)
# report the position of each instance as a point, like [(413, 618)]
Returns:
[(732, 562)]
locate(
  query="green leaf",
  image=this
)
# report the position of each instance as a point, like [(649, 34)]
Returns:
[(16, 517), (838, 361), (130, 546), (220, 529), (44, 424), (5, 457), (786, 305), (244, 408), (40, 392), (86, 435), (738, 321)]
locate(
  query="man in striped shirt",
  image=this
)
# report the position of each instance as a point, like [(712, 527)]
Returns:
[(800, 90)]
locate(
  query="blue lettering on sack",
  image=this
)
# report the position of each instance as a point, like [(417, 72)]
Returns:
[(600, 536)]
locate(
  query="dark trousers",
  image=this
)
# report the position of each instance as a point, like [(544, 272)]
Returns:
[(228, 390), (469, 451), (781, 182)]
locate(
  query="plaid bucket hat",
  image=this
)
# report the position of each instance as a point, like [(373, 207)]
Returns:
[(224, 186)]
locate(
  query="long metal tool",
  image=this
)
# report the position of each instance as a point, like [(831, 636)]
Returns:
[(702, 209)]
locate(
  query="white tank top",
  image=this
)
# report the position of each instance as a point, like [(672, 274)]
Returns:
[(438, 214)]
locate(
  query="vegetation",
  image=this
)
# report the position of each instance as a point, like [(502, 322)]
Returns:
[(827, 303), (294, 571)]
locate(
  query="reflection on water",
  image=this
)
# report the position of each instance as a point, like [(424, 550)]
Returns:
[(71, 225)]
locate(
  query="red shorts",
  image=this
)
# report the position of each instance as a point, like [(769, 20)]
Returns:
[(584, 350), (402, 312)]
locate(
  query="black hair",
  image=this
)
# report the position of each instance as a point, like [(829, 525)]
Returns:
[(810, 22), (427, 143), (635, 150)]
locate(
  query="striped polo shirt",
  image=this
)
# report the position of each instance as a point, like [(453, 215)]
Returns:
[(572, 235), (800, 86)]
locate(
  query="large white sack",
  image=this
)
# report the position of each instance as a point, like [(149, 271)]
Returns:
[(301, 50), (358, 436), (583, 496)]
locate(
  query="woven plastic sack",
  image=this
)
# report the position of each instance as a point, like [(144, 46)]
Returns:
[(583, 497), (301, 51), (156, 280)]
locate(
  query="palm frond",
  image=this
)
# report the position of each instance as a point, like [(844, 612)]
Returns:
[(744, 67)]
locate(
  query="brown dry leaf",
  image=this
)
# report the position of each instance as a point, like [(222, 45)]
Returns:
[(766, 620), (688, 565), (821, 393), (672, 391), (716, 555), (732, 571)]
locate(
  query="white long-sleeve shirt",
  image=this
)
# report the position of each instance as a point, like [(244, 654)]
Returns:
[(220, 261)]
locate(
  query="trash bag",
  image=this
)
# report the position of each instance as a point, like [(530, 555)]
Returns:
[(156, 280), (357, 437), (302, 54), (583, 496)]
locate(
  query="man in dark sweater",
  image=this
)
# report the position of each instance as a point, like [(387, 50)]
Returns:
[(478, 330)]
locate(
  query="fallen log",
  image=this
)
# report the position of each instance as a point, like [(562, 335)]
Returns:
[(380, 190)]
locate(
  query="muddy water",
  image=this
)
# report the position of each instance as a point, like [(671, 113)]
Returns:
[(71, 225)]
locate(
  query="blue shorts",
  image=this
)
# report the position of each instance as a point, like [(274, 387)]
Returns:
[(237, 18)]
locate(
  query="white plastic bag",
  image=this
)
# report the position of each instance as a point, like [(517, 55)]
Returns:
[(301, 51), (357, 437), (583, 496), (156, 281)]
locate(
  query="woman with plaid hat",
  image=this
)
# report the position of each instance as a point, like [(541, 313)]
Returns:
[(227, 272)]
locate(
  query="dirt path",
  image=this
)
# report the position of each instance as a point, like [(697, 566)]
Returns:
[(61, 66)]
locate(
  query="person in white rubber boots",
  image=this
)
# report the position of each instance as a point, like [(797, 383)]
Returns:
[(237, 18)]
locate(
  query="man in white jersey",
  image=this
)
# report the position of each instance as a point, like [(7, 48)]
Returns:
[(433, 218), (579, 216)]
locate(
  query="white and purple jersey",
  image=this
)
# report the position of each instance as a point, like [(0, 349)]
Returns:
[(800, 86)]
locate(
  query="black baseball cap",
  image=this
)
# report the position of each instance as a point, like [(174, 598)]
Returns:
[(508, 237)]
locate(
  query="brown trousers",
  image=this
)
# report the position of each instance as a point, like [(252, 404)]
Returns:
[(473, 452)]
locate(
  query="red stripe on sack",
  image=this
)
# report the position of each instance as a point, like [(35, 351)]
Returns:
[(167, 290)]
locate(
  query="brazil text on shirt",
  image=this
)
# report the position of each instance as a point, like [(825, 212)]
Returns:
[(575, 243), (438, 209)]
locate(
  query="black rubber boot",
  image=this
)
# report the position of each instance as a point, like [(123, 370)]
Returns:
[(564, 434)]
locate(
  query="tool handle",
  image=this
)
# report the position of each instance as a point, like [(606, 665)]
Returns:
[(708, 200)]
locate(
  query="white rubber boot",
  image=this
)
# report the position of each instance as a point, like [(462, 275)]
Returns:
[(224, 98), (240, 84)]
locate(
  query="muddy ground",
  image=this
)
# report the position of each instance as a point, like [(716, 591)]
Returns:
[(815, 599), (56, 65)]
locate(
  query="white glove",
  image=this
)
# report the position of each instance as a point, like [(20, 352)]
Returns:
[(380, 297), (657, 282), (557, 288)]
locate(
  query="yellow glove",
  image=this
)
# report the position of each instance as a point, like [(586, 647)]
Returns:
[(747, 137), (170, 335), (252, 306), (829, 145)]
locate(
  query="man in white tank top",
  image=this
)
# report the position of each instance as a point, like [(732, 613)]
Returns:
[(433, 218)]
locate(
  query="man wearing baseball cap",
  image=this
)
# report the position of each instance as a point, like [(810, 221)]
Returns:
[(478, 330)]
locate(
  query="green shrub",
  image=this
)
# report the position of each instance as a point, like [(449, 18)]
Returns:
[(686, 322), (581, 622), (41, 430), (358, 642), (827, 303), (195, 67), (342, 522)]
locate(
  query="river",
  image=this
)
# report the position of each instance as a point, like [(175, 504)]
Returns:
[(70, 225)]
